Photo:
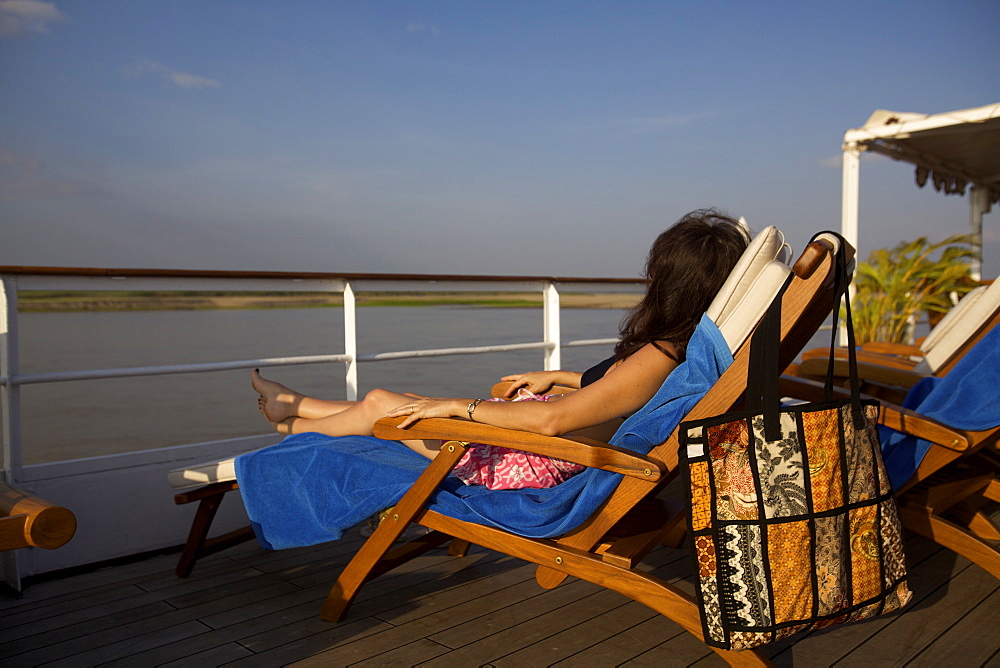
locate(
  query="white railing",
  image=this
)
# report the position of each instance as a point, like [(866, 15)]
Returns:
[(19, 279)]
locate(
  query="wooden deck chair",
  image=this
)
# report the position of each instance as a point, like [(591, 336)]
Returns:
[(944, 498), (882, 365), (607, 548)]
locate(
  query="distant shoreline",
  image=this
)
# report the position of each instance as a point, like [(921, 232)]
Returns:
[(62, 302)]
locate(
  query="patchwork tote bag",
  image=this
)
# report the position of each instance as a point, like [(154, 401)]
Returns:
[(790, 511)]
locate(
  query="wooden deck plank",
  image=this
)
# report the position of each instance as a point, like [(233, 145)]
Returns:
[(204, 643), (126, 638), (627, 645), (215, 656), (966, 634), (62, 589), (60, 629), (382, 595), (252, 607), (541, 626), (409, 627), (413, 654), (681, 650), (566, 645), (913, 632), (529, 602), (53, 645), (130, 590)]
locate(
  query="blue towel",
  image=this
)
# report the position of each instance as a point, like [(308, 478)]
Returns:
[(310, 488), (967, 397)]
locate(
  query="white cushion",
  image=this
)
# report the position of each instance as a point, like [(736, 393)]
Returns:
[(200, 475), (740, 319), (959, 325), (949, 320), (767, 247)]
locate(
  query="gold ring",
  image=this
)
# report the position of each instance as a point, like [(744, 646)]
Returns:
[(411, 410)]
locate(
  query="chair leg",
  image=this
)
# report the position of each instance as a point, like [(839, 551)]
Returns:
[(971, 516), (198, 543), (458, 547), (366, 563), (951, 536), (361, 567)]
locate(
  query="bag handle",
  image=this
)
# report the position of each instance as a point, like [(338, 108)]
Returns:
[(763, 371)]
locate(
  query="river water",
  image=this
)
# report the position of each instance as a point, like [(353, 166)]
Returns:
[(74, 419)]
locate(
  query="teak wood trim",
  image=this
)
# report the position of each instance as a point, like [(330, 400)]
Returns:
[(585, 451), (27, 520)]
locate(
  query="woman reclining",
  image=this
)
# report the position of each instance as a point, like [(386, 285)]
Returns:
[(686, 267)]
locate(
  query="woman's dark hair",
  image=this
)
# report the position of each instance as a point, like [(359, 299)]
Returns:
[(687, 265)]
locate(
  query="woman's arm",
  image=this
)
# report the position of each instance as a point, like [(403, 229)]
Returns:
[(620, 392), (541, 382)]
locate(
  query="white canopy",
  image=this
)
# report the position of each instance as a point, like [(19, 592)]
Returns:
[(953, 150)]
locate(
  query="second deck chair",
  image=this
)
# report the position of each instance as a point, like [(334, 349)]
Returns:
[(607, 548), (882, 364), (955, 480)]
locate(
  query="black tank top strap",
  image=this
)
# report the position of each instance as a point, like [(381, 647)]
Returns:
[(596, 372), (666, 352)]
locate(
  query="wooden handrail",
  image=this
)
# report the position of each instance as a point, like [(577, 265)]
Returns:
[(310, 275), (29, 521)]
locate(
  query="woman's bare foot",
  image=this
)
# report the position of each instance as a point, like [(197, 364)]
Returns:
[(276, 402)]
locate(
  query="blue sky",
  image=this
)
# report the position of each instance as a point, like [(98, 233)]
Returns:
[(537, 137)]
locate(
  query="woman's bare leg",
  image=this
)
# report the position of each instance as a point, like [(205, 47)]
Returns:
[(357, 420), (280, 403), (292, 412)]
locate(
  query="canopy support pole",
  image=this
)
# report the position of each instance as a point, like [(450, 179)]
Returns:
[(849, 209), (979, 203)]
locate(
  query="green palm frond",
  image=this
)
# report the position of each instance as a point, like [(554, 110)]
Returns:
[(895, 285)]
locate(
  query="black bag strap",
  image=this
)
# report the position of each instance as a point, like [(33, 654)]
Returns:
[(840, 291), (763, 371)]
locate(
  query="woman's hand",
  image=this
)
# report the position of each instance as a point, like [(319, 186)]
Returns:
[(538, 382), (428, 407)]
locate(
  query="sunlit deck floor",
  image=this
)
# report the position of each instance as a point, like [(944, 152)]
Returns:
[(249, 606)]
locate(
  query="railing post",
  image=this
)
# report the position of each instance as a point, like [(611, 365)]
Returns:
[(10, 407), (351, 341), (552, 335), (979, 203), (850, 192), (10, 394)]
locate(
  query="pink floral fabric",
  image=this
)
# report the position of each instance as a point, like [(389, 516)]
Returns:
[(497, 467)]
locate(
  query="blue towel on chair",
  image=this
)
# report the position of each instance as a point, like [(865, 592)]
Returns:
[(967, 397), (310, 488)]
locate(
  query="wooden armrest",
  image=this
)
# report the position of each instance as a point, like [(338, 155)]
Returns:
[(585, 451), (499, 390), (29, 521), (899, 349), (865, 356), (906, 421), (868, 369)]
